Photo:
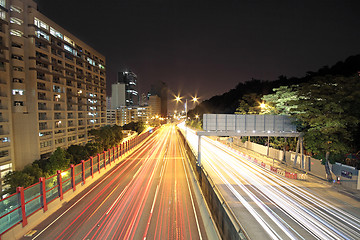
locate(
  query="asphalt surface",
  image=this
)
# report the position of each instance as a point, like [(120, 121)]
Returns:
[(146, 196), (270, 206)]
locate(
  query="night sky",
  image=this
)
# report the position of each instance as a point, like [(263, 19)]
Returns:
[(208, 46)]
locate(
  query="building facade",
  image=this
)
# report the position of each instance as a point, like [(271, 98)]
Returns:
[(124, 115), (131, 92), (52, 86), (155, 105), (161, 90), (118, 95)]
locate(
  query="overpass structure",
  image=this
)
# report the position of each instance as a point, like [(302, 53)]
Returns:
[(222, 125)]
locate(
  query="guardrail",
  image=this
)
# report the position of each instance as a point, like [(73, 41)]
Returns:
[(18, 207), (228, 226)]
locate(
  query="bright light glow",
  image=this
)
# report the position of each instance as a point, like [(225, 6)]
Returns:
[(263, 105), (280, 206)]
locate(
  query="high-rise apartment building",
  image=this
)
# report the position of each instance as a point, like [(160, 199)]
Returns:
[(52, 86), (124, 115), (131, 93)]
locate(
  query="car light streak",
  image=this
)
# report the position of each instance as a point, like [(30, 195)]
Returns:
[(284, 208), (146, 196)]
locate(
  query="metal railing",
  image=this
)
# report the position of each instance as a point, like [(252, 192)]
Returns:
[(16, 208)]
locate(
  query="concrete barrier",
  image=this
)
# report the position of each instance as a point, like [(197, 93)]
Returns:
[(228, 226)]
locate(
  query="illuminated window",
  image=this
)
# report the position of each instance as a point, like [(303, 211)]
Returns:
[(17, 80), (16, 21), (45, 144), (18, 92), (18, 103), (6, 166), (19, 69), (92, 62), (40, 24), (2, 3), (16, 32), (41, 34), (15, 9), (57, 89), (67, 48), (4, 140), (69, 41), (55, 33), (2, 15)]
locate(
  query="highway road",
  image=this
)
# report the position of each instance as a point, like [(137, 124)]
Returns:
[(270, 206), (147, 196)]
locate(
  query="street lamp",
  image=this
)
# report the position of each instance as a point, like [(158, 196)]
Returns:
[(194, 99)]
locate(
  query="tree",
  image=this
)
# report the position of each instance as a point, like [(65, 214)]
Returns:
[(196, 123), (93, 148), (281, 101), (17, 178), (76, 153), (326, 109), (57, 161), (139, 126), (107, 136), (35, 171), (249, 104)]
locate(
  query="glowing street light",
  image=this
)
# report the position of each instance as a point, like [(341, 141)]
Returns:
[(178, 99)]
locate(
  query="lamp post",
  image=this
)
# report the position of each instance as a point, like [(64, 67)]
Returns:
[(194, 99)]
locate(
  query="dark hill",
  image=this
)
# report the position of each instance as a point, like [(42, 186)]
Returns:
[(229, 101)]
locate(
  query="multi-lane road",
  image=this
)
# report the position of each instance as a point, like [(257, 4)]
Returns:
[(270, 206), (147, 196)]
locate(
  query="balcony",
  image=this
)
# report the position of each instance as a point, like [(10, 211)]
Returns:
[(59, 108), (43, 98), (45, 127), (43, 88), (43, 108)]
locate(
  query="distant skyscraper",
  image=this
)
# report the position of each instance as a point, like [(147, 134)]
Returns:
[(160, 89), (131, 93), (144, 100), (118, 95), (155, 105)]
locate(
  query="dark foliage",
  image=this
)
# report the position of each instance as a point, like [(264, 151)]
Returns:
[(229, 101)]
